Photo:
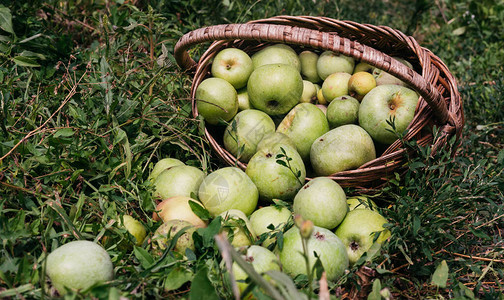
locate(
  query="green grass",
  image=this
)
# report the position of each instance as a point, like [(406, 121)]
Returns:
[(91, 98)]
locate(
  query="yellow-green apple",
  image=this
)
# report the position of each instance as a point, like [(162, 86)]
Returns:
[(246, 131), (78, 265), (358, 229), (342, 110), (232, 65), (383, 104), (383, 77), (275, 88), (276, 54), (342, 148), (360, 84), (335, 85), (264, 217), (303, 125), (326, 244), (322, 201), (309, 92), (237, 225), (320, 97), (276, 174), (309, 66), (330, 62), (272, 139), (363, 67), (178, 208), (178, 181), (162, 165), (228, 188), (216, 100), (134, 227), (243, 99), (165, 233), (361, 202), (261, 259)]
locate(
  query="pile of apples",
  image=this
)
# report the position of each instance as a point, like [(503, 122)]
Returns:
[(337, 230), (283, 124)]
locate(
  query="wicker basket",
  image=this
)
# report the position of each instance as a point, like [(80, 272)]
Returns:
[(440, 104)]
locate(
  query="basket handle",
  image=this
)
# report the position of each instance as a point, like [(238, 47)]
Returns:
[(315, 39)]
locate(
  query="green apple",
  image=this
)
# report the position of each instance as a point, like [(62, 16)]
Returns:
[(335, 85), (330, 62), (276, 54), (309, 66), (243, 99), (342, 110), (385, 103), (327, 245), (383, 77), (322, 201), (360, 84), (273, 139), (261, 259), (162, 165), (342, 148), (275, 88), (78, 265), (237, 223), (165, 233), (309, 92), (358, 229), (217, 100), (270, 172), (262, 218), (246, 131), (228, 188), (178, 208), (232, 65), (361, 202), (178, 181), (303, 125), (134, 227), (363, 67)]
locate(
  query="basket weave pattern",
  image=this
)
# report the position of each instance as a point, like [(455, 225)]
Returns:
[(439, 104)]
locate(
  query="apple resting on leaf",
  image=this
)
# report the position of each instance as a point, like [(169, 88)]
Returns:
[(323, 201), (78, 265), (358, 230), (327, 245), (228, 188), (278, 172)]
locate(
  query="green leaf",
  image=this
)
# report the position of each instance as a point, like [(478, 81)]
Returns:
[(177, 277), (375, 293), (6, 19), (64, 132), (209, 232), (459, 31), (199, 210), (500, 157), (24, 61), (440, 276), (201, 287), (143, 257)]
